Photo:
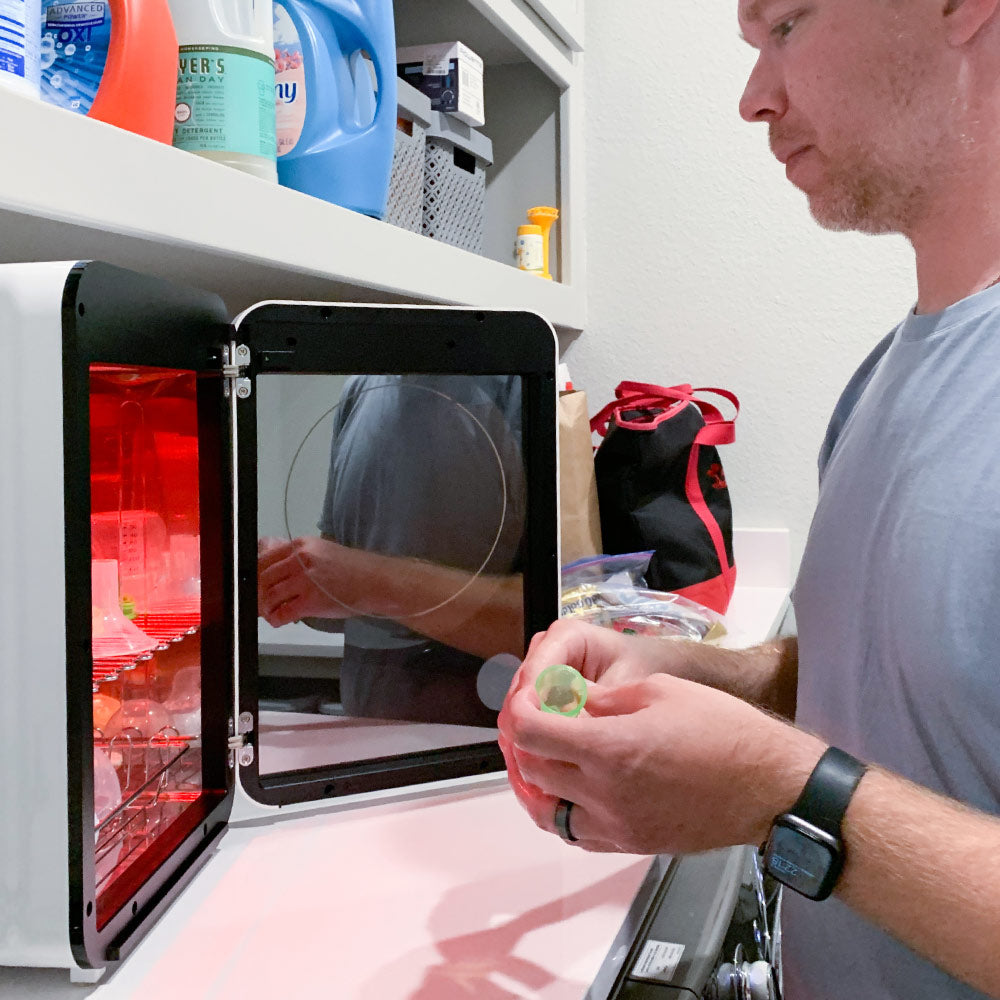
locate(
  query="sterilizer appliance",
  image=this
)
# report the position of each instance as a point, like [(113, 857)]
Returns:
[(379, 479)]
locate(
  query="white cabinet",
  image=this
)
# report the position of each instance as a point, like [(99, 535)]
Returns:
[(72, 188)]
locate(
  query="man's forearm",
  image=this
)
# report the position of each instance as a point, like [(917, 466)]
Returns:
[(765, 675), (927, 869), (482, 615), (923, 867)]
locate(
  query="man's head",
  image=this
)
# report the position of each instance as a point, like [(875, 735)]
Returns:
[(876, 107)]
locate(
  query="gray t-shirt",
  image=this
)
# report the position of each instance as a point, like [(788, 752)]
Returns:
[(896, 603), (429, 467)]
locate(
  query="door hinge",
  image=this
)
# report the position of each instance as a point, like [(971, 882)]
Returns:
[(235, 359), (241, 751)]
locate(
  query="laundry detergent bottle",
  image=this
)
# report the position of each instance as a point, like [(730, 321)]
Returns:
[(113, 60), (225, 83), (335, 95), (19, 68)]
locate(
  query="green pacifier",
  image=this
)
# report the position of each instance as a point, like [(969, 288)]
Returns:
[(561, 690)]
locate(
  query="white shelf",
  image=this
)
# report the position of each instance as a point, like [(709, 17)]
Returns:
[(79, 189), (763, 585), (458, 895)]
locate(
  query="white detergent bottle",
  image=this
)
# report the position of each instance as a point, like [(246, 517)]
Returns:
[(225, 83), (19, 45)]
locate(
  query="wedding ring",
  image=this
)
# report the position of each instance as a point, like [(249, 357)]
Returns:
[(563, 808)]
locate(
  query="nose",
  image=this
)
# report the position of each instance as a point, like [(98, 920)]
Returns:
[(764, 98)]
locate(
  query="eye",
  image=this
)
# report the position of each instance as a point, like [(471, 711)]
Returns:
[(783, 29)]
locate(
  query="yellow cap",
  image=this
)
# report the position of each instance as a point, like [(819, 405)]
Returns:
[(529, 230), (544, 216)]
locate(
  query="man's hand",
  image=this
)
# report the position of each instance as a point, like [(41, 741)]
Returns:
[(654, 763), (307, 577), (600, 654)]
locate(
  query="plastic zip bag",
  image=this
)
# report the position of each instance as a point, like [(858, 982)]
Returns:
[(623, 569), (610, 591)]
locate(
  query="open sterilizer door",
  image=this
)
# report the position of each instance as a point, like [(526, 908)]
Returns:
[(396, 499)]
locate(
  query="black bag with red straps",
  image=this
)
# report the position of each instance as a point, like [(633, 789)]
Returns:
[(660, 486)]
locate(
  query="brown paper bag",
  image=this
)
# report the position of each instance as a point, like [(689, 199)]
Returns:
[(579, 517)]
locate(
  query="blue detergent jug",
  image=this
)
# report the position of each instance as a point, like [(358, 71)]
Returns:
[(335, 99)]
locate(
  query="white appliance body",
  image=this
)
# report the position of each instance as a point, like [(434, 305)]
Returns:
[(34, 886)]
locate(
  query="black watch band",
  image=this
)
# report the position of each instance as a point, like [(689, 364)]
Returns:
[(805, 848), (824, 798)]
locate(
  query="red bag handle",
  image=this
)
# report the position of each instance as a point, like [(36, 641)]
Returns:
[(717, 429), (644, 395), (640, 395), (648, 389)]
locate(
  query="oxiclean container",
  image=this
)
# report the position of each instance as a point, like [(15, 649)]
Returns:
[(113, 60)]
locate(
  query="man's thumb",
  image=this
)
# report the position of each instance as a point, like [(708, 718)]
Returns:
[(623, 699)]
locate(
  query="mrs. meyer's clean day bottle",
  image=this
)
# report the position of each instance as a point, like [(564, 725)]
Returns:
[(225, 83)]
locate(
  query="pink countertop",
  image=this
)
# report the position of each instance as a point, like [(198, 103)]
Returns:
[(450, 895)]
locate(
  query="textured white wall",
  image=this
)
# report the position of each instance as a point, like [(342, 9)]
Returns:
[(704, 264)]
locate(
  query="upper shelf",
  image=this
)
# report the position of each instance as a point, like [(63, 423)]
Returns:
[(80, 189)]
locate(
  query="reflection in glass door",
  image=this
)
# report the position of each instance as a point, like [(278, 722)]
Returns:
[(391, 542)]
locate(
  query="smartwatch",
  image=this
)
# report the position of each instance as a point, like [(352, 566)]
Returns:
[(805, 849)]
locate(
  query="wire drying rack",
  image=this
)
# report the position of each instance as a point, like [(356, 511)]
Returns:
[(160, 777)]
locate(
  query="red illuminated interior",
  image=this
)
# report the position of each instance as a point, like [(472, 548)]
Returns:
[(146, 618)]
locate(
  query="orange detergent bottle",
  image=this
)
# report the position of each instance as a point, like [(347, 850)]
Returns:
[(113, 60)]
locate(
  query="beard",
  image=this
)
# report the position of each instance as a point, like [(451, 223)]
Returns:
[(864, 194), (868, 190)]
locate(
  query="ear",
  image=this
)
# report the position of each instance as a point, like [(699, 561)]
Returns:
[(964, 19)]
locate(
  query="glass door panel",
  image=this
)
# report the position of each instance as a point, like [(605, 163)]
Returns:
[(391, 527)]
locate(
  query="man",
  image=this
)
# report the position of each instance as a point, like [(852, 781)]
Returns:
[(885, 114)]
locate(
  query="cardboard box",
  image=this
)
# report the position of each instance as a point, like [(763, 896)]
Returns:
[(450, 74)]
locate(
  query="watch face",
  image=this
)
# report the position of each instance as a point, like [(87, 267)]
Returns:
[(807, 862)]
